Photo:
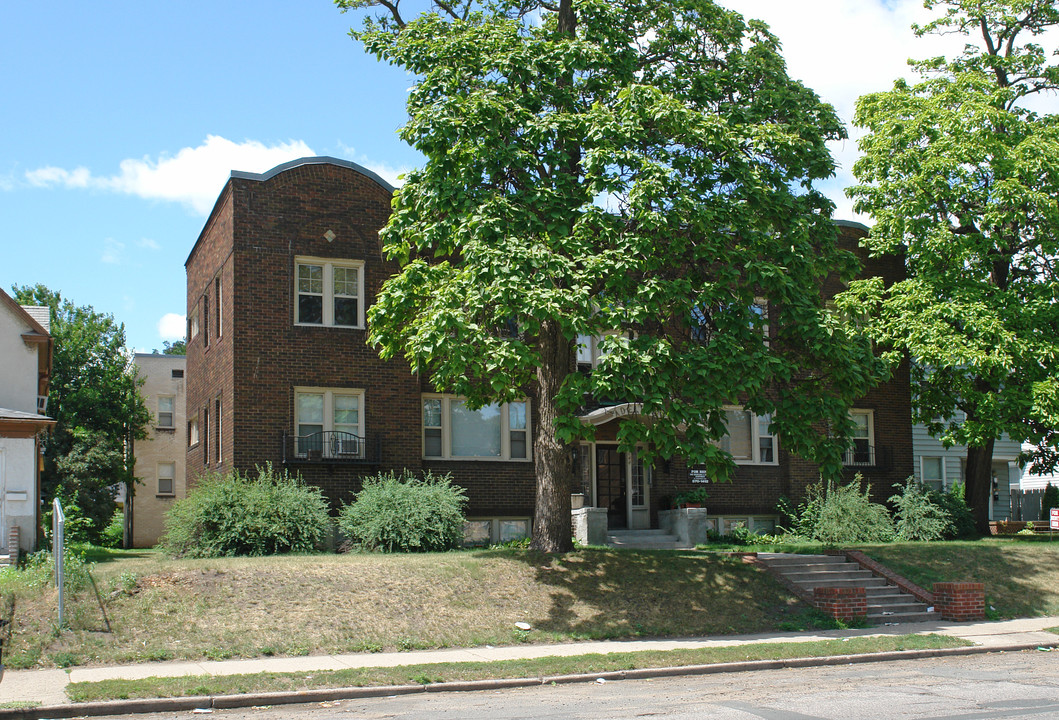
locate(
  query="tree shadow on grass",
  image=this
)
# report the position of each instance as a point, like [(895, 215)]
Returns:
[(608, 593)]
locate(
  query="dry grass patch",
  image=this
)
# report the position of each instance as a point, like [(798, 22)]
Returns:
[(1021, 577), (296, 605)]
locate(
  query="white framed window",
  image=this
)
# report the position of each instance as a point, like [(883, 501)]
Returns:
[(932, 473), (453, 431), (749, 440), (329, 421), (193, 323), (329, 292), (166, 408), (862, 443), (193, 432), (166, 478)]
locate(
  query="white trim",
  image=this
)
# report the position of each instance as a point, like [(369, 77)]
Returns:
[(158, 479), (755, 439), (446, 431), (327, 295)]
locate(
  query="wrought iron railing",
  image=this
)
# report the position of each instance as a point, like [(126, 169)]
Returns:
[(331, 447), (868, 456)]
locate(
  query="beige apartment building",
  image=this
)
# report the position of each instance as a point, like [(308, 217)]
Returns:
[(159, 458)]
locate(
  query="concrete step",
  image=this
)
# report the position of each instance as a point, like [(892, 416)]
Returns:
[(885, 603), (840, 573), (644, 540), (865, 583), (902, 617), (792, 559)]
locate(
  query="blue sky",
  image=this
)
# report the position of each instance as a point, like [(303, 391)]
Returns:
[(123, 119)]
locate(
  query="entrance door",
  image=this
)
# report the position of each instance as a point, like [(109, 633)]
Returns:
[(611, 485)]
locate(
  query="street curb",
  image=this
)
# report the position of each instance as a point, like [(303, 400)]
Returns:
[(155, 705)]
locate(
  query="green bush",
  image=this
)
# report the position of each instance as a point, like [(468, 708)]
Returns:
[(113, 535), (849, 516), (405, 513), (918, 517), (235, 514), (1050, 500), (838, 515), (960, 518)]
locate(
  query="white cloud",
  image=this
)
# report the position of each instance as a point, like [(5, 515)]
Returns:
[(172, 326), (112, 251), (149, 244), (387, 172), (194, 176)]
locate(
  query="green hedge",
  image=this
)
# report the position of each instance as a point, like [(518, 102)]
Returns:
[(266, 513), (406, 513)]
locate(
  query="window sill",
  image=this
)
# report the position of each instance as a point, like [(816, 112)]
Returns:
[(478, 459), (165, 496), (165, 428), (330, 327)]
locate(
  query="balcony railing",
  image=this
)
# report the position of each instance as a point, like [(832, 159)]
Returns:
[(868, 456), (331, 447)]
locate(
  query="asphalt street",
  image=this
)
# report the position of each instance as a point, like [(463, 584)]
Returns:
[(997, 686)]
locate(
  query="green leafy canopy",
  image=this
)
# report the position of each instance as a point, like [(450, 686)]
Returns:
[(962, 175)]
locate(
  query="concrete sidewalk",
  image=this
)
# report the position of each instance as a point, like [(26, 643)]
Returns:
[(47, 687)]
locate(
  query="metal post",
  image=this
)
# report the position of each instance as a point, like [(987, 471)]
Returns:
[(58, 531)]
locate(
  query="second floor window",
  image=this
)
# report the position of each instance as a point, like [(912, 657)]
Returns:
[(329, 293), (165, 411), (335, 411)]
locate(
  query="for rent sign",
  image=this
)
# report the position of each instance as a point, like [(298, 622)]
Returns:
[(1053, 519)]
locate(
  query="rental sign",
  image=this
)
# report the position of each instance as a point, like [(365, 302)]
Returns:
[(1053, 519)]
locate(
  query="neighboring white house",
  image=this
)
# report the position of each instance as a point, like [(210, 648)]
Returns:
[(940, 468), (25, 371), (159, 458)]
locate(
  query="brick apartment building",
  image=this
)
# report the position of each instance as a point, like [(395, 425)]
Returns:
[(278, 370)]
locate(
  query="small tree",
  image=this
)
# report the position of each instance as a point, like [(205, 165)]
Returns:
[(962, 176), (917, 516), (1049, 500), (95, 400)]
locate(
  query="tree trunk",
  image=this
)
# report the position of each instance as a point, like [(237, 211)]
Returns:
[(551, 458), (978, 484)]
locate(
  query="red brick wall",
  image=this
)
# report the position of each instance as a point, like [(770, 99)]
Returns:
[(960, 601), (841, 603)]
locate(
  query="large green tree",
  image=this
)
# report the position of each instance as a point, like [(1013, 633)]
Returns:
[(94, 398), (962, 175), (636, 171)]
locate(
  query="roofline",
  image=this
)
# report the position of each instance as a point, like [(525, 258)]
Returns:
[(269, 174), (852, 224), (36, 326), (160, 355), (316, 160)]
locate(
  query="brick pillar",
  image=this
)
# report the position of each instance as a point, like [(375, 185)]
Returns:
[(841, 603), (960, 601)]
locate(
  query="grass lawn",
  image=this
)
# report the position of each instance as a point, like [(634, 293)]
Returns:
[(159, 609), (532, 668)]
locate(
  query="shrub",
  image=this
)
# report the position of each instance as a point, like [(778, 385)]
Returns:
[(113, 535), (836, 514), (406, 513), (960, 518), (234, 514), (918, 516), (1050, 500)]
